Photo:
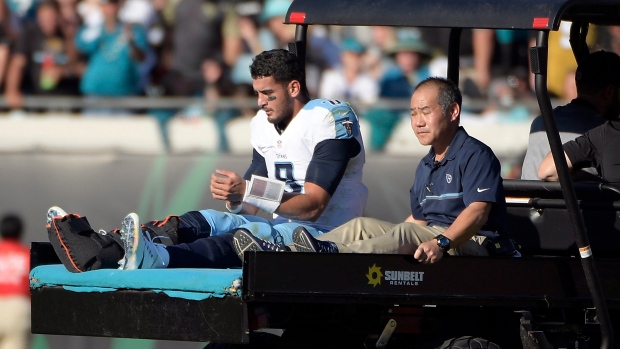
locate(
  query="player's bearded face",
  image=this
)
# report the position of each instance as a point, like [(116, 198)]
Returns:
[(280, 110), (274, 99)]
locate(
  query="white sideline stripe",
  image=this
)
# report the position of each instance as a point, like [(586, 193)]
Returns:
[(505, 139), (193, 135), (74, 133), (238, 134), (140, 134)]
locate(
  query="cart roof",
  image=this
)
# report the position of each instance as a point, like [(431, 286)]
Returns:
[(492, 14)]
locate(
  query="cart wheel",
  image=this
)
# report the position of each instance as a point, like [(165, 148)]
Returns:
[(468, 343)]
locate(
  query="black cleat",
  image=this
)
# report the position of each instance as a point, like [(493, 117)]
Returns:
[(305, 242), (243, 241)]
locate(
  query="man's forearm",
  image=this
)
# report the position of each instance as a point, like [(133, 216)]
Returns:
[(301, 207), (468, 223), (547, 170)]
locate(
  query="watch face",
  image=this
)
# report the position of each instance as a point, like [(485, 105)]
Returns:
[(443, 242)]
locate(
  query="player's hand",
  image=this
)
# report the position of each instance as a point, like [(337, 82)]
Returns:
[(428, 252), (227, 185)]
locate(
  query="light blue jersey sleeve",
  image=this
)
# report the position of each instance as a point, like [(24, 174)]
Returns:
[(339, 117)]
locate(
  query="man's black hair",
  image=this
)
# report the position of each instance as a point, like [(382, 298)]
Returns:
[(447, 92), (597, 71), (280, 64), (11, 227)]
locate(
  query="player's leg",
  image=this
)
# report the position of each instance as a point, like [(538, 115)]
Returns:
[(142, 252), (212, 222), (212, 252), (244, 240), (267, 237), (78, 246), (194, 225), (284, 232)]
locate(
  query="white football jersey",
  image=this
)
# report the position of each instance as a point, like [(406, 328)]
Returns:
[(288, 155)]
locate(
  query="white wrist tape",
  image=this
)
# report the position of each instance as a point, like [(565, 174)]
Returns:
[(234, 210), (264, 193)]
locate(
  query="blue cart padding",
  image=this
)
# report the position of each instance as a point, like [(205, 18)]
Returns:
[(194, 284)]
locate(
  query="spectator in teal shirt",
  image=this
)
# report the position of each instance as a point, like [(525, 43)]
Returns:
[(114, 52)]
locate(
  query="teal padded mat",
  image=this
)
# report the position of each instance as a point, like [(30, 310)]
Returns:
[(195, 284)]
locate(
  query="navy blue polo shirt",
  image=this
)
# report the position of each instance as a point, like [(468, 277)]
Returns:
[(468, 173)]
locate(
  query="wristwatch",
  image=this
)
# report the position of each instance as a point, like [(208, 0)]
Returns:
[(443, 242)]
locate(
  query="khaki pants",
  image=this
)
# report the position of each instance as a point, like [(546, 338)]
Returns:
[(14, 322), (369, 235)]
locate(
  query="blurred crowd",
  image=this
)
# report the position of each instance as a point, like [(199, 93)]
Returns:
[(202, 48)]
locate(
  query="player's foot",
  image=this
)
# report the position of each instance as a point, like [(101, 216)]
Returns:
[(305, 242), (52, 213), (140, 250), (243, 241)]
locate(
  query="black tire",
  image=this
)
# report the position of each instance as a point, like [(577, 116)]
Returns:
[(468, 343)]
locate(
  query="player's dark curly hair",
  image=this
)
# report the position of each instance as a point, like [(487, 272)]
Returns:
[(280, 64), (448, 92)]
